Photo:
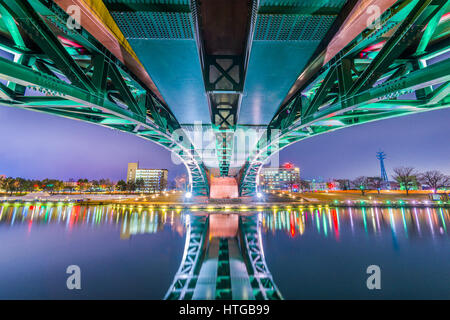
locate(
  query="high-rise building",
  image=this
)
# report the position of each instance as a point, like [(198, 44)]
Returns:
[(154, 179), (286, 177)]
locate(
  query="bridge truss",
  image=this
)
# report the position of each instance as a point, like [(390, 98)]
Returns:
[(185, 280), (395, 68), (49, 67), (264, 288)]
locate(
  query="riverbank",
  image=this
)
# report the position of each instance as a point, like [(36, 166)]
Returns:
[(176, 200)]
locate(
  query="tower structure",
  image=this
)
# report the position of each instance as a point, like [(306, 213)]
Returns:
[(381, 156)]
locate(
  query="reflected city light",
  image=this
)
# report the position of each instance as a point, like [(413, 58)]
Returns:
[(294, 221)]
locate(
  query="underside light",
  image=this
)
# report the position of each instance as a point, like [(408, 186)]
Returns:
[(188, 195), (259, 195)]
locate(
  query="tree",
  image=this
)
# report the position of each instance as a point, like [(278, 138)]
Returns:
[(344, 184), (105, 184), (139, 184), (95, 184), (304, 185), (131, 186), (406, 177), (361, 183), (9, 184), (121, 185), (49, 185), (58, 185), (21, 184), (82, 184), (434, 179), (376, 183)]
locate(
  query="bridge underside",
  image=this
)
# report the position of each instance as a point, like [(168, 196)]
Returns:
[(225, 84)]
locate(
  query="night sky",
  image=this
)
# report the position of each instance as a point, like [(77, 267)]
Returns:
[(36, 145)]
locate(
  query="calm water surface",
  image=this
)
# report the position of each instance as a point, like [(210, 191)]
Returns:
[(131, 253)]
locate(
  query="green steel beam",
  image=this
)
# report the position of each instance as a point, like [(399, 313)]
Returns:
[(99, 88), (12, 27), (431, 28), (28, 19), (409, 31)]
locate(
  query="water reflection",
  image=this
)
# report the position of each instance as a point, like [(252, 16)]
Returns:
[(301, 246), (132, 221), (329, 221)]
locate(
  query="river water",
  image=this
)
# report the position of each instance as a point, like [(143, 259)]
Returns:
[(134, 253)]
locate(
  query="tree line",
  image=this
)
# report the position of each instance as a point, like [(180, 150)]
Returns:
[(11, 185), (408, 178), (139, 184)]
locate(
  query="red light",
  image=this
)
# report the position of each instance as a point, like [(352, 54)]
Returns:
[(288, 165)]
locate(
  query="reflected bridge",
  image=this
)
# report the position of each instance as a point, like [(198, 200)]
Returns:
[(223, 259)]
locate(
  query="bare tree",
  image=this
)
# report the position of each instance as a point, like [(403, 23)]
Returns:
[(361, 183), (434, 179), (376, 183), (406, 177), (304, 185)]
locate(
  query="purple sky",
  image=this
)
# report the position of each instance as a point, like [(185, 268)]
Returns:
[(36, 145)]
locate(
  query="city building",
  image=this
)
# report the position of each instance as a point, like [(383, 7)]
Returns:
[(318, 185), (70, 184), (154, 180), (286, 177)]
